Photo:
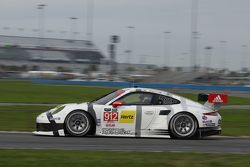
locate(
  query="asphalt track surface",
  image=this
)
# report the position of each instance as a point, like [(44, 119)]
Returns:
[(207, 145)]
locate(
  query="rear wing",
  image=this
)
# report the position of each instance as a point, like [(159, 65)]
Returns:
[(213, 101)]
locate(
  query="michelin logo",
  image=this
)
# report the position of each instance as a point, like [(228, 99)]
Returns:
[(116, 131)]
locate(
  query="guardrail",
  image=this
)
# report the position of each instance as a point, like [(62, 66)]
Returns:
[(145, 85)]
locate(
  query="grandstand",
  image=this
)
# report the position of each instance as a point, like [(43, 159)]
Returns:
[(41, 51)]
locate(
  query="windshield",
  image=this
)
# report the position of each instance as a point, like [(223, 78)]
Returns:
[(108, 97)]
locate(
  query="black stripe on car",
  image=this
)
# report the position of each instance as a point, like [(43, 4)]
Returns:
[(91, 111), (53, 124)]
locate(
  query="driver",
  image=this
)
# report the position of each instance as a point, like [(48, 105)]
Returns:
[(145, 98)]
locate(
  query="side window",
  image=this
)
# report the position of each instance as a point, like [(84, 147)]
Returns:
[(166, 100), (139, 98)]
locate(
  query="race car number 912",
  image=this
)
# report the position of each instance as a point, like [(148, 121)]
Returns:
[(110, 116)]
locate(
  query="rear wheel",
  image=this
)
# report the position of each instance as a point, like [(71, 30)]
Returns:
[(78, 123), (183, 125)]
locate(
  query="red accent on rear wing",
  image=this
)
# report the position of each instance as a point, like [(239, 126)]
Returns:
[(218, 98)]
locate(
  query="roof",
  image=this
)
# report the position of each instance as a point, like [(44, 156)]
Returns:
[(134, 89)]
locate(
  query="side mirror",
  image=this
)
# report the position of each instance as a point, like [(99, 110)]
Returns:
[(117, 103)]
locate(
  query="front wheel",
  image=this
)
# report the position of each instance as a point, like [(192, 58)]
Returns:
[(183, 126), (78, 123)]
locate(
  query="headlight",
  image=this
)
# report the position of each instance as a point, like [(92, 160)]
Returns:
[(57, 109)]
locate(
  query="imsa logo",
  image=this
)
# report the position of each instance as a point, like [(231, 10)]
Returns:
[(127, 116)]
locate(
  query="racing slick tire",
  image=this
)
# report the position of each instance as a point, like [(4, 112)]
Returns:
[(183, 126), (78, 123)]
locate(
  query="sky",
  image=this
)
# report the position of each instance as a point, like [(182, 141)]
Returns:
[(218, 20)]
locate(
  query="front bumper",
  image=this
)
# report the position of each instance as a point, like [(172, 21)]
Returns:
[(46, 125), (49, 129)]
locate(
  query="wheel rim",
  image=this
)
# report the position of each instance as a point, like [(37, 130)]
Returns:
[(183, 125), (78, 123)]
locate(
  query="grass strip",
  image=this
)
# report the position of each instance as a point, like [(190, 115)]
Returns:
[(27, 92), (41, 158), (20, 118), (235, 122)]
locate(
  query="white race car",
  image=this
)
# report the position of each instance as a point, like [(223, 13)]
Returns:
[(135, 112)]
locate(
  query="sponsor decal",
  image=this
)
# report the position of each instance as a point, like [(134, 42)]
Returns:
[(127, 116), (98, 121), (204, 117), (217, 98), (110, 125), (116, 131), (107, 109), (110, 116), (208, 123)]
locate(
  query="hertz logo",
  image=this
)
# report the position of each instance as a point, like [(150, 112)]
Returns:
[(127, 117)]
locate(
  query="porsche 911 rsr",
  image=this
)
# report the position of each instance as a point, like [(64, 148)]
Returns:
[(135, 112)]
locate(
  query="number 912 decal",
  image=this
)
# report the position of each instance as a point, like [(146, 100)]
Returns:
[(110, 116)]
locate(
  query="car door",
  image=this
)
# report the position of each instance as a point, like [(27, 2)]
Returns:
[(134, 113), (118, 121)]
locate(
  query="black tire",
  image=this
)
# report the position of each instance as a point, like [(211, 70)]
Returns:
[(183, 126), (78, 123)]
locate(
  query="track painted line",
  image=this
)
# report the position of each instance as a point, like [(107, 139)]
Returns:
[(232, 137), (236, 107), (27, 104), (15, 132)]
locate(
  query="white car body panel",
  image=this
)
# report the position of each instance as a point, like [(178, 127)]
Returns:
[(134, 120)]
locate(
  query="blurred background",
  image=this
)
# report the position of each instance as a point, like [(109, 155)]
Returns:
[(162, 41)]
